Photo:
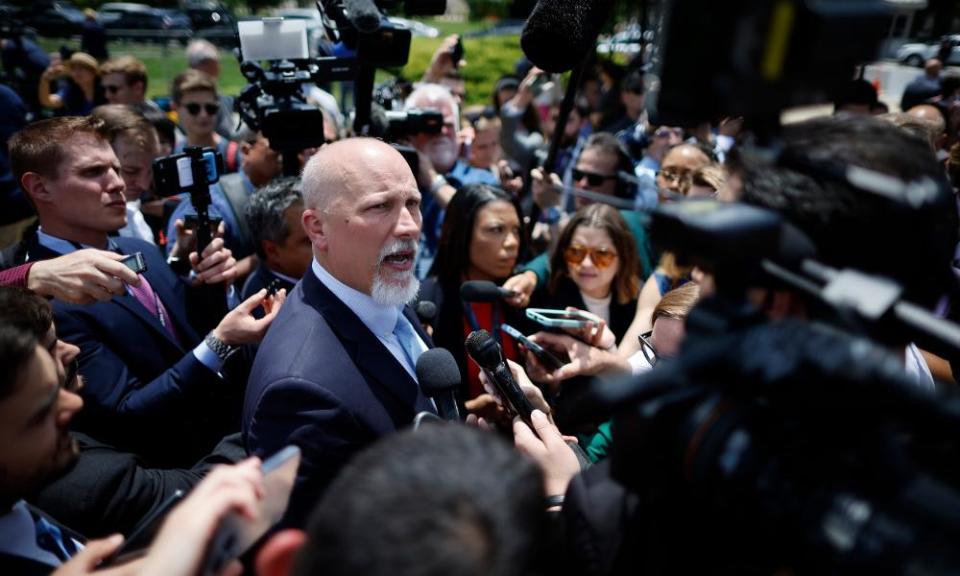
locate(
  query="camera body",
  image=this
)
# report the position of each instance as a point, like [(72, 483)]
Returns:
[(403, 124)]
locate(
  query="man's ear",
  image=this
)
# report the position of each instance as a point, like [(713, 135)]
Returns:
[(276, 556), (315, 226), (245, 148), (35, 186), (140, 88)]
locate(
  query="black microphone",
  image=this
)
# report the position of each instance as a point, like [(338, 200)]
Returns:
[(559, 33), (439, 378), (486, 352), (426, 311), (483, 291)]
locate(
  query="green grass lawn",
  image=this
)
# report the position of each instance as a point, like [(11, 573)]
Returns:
[(487, 59)]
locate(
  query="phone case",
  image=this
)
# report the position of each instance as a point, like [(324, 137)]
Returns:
[(537, 315)]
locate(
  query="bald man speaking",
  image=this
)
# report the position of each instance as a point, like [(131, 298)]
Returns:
[(337, 369)]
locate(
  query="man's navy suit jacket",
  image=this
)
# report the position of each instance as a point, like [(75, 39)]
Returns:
[(323, 381), (144, 391)]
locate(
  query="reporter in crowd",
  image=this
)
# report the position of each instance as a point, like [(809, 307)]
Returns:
[(596, 170), (155, 385), (105, 490), (124, 81), (594, 267), (134, 140), (81, 90), (197, 104), (482, 239), (283, 247)]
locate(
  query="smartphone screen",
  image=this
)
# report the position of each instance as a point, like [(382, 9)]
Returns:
[(236, 534), (139, 541)]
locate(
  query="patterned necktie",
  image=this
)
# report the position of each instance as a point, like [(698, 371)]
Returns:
[(408, 340), (51, 539), (148, 299)]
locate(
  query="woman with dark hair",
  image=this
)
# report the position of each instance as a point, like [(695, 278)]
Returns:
[(482, 239), (595, 267)]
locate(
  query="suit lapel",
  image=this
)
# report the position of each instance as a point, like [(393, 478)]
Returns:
[(37, 251), (370, 355)]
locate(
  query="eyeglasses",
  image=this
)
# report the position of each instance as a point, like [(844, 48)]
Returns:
[(112, 89), (593, 178), (575, 254), (212, 109), (675, 174), (646, 346)]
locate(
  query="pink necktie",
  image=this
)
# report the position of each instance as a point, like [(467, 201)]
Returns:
[(149, 300)]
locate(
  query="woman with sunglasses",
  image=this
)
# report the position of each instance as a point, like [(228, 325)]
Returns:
[(197, 104), (481, 239), (595, 267)]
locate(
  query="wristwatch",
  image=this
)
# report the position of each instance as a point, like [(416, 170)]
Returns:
[(438, 182), (219, 347)]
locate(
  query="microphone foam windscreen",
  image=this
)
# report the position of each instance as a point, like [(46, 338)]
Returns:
[(559, 33), (483, 349), (479, 291), (437, 372), (363, 14), (426, 311)]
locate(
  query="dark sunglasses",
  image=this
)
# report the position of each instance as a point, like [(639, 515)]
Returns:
[(111, 88), (593, 178), (601, 257), (212, 109)]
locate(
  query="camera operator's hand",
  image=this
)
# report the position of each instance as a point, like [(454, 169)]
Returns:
[(186, 241), (216, 266), (546, 191), (585, 360), (523, 285), (94, 552), (428, 179), (240, 327), (81, 277), (547, 447), (180, 547), (525, 93), (510, 182), (442, 62)]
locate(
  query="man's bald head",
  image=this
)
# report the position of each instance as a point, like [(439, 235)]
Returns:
[(342, 168), (933, 67), (931, 114)]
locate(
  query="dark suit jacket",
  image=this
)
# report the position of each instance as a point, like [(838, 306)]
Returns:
[(109, 490), (144, 391), (323, 381), (21, 566)]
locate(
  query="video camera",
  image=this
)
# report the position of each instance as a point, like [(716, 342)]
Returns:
[(402, 124)]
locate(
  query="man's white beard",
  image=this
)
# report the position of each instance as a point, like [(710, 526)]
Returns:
[(442, 153), (395, 289)]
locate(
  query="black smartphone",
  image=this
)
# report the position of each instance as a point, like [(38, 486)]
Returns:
[(549, 361), (139, 541), (457, 53), (274, 286), (135, 262)]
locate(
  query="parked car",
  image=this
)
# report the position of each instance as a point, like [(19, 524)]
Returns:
[(139, 22), (53, 18), (212, 21), (916, 53)]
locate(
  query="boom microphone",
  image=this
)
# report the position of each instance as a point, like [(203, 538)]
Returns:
[(439, 378), (559, 33), (483, 291), (363, 14)]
